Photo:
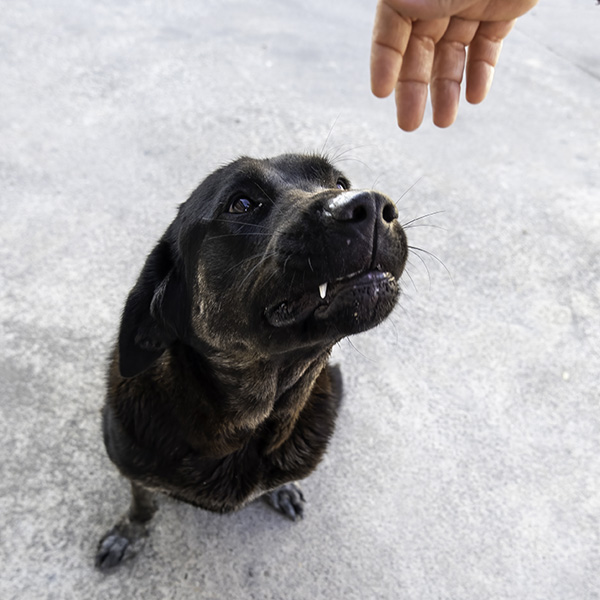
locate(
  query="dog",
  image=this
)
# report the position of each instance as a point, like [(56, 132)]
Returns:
[(219, 387)]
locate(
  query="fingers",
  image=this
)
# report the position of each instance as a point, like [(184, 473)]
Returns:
[(415, 74), (391, 33), (448, 69), (483, 55), (413, 55)]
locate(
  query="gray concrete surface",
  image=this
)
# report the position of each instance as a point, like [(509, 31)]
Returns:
[(466, 463)]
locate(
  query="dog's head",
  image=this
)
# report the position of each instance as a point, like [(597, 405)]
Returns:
[(266, 257)]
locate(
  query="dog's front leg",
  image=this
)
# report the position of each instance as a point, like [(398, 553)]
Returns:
[(298, 455), (127, 537)]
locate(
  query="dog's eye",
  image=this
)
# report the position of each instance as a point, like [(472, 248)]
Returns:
[(341, 184), (243, 205)]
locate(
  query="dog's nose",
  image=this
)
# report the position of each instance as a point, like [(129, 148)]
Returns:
[(362, 206)]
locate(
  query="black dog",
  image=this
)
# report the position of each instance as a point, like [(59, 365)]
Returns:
[(219, 389)]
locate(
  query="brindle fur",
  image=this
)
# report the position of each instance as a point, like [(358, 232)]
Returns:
[(219, 388)]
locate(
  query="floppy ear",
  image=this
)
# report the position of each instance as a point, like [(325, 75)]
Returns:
[(152, 318)]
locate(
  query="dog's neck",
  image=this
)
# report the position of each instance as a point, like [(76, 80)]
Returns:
[(251, 388)]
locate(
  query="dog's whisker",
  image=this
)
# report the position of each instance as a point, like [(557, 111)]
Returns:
[(291, 283), (285, 262), (401, 307), (238, 222), (329, 134), (408, 190), (241, 262), (431, 214), (417, 249), (374, 184), (371, 360), (410, 278), (332, 154), (349, 340), (353, 159), (265, 193), (426, 268), (242, 233), (256, 266), (273, 273), (425, 225), (338, 157), (392, 322)]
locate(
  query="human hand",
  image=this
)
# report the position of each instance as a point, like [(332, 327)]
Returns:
[(422, 43)]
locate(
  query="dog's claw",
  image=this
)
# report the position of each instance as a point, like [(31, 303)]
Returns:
[(122, 542), (288, 500), (111, 551)]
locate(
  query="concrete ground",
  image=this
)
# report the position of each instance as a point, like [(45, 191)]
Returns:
[(466, 464)]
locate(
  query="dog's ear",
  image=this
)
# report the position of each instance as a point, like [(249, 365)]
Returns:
[(153, 314)]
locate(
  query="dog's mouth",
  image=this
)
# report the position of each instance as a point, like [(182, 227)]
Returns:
[(355, 302)]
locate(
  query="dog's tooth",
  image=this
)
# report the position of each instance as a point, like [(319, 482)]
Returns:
[(323, 290)]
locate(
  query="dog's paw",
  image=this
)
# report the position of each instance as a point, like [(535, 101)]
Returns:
[(288, 499), (121, 543)]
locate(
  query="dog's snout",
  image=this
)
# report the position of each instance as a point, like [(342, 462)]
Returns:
[(357, 207)]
